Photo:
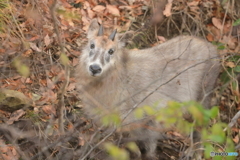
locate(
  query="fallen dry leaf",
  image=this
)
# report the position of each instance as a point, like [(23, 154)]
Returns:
[(71, 86), (8, 152), (167, 12), (215, 32), (193, 3), (236, 139), (91, 14), (27, 53), (227, 27), (47, 40), (28, 81), (86, 5), (75, 61), (210, 37), (48, 97), (34, 47), (14, 152), (129, 8), (85, 23), (50, 84), (99, 8), (217, 23), (15, 116), (70, 127), (49, 109), (113, 10), (125, 27), (230, 41), (34, 38), (161, 38), (81, 141), (230, 64)]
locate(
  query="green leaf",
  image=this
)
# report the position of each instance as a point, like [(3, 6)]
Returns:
[(68, 15), (132, 147), (204, 134), (64, 59), (172, 120), (159, 117), (116, 119), (139, 113), (218, 135), (149, 110), (237, 22), (214, 112), (196, 113), (217, 158), (230, 147), (184, 126), (111, 119), (208, 149), (234, 58), (237, 69), (175, 105), (116, 152), (216, 138), (225, 76), (214, 42), (230, 158), (234, 85), (221, 47), (21, 68), (24, 70)]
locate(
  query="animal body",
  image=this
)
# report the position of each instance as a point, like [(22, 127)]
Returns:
[(114, 79)]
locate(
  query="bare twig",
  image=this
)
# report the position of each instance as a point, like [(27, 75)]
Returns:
[(104, 139), (11, 133), (234, 120), (61, 105), (137, 104)]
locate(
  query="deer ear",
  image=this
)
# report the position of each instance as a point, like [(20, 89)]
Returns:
[(123, 38), (93, 29)]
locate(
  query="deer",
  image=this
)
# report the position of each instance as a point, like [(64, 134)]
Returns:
[(113, 79)]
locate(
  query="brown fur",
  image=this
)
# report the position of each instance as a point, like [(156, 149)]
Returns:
[(182, 69)]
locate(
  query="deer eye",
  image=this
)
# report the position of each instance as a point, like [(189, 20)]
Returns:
[(92, 46), (110, 51)]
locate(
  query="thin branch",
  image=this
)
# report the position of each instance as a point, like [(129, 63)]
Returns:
[(61, 106), (104, 139), (137, 104), (234, 120)]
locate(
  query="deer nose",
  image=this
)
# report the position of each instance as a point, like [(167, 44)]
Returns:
[(95, 69)]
